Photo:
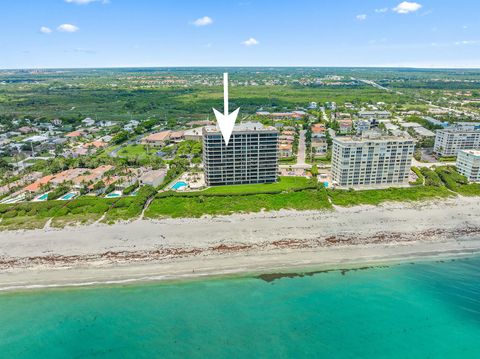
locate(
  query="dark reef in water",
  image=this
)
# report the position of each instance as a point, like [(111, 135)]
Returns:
[(270, 277)]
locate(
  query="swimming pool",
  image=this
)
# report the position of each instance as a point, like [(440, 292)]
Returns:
[(134, 193), (43, 197), (179, 185), (114, 194), (68, 196)]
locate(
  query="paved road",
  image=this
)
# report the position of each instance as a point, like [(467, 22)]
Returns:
[(301, 149)]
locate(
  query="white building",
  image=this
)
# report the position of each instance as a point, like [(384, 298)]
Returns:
[(362, 126), (371, 160), (468, 164), (88, 122), (374, 114), (453, 139), (319, 147)]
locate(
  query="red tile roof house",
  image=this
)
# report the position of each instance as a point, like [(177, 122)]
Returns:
[(35, 186), (345, 126), (67, 175), (157, 139), (318, 131), (75, 135), (285, 150), (92, 176), (95, 144), (177, 136), (26, 129)]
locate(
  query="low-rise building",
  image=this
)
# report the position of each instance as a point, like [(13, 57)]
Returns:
[(158, 139), (436, 122), (91, 176), (318, 130), (285, 150), (423, 132), (193, 134), (74, 135), (345, 126), (177, 136), (374, 114), (95, 144), (88, 122), (362, 126), (468, 164), (154, 177), (319, 147), (371, 160)]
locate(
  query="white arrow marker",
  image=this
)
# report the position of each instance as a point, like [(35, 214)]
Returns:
[(226, 121)]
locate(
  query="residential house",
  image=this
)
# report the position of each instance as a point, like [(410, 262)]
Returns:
[(345, 126), (158, 139), (154, 177), (285, 150), (193, 134), (88, 122)]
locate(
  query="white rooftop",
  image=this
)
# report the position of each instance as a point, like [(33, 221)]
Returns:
[(475, 153), (243, 127)]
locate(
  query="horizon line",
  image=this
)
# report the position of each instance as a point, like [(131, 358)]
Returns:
[(236, 66)]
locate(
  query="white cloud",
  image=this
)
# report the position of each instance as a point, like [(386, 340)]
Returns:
[(407, 7), (203, 21), (45, 30), (68, 28), (382, 10), (361, 17), (86, 2), (466, 42), (250, 42)]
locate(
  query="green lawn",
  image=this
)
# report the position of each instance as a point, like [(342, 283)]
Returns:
[(198, 206), (374, 197), (284, 184), (135, 151)]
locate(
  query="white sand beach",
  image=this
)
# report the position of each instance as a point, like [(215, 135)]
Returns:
[(241, 243)]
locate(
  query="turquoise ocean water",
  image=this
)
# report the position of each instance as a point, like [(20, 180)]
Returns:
[(425, 310)]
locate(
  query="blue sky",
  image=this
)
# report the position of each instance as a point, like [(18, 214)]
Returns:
[(112, 33)]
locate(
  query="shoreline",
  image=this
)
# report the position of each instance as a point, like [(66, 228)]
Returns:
[(20, 281), (239, 245)]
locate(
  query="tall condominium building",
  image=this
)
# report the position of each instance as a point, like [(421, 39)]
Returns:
[(371, 160), (468, 164), (464, 136), (250, 157)]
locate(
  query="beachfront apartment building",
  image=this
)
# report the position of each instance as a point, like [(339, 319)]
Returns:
[(250, 157), (372, 160), (468, 164), (450, 140)]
